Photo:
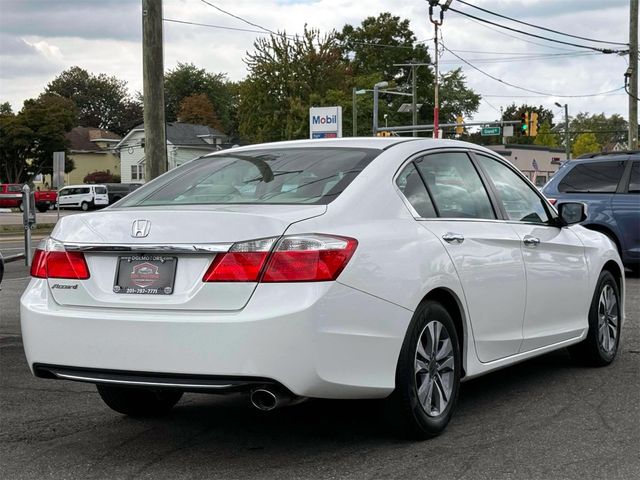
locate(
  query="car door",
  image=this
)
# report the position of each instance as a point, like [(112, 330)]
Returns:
[(626, 212), (64, 196), (486, 252), (554, 258)]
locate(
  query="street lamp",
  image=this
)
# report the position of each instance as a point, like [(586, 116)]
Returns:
[(567, 141), (354, 108), (375, 104)]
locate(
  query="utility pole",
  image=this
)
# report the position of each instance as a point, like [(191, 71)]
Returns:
[(436, 24), (153, 90), (354, 107), (567, 138), (632, 75), (414, 96)]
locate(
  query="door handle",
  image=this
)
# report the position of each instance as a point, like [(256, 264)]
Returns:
[(450, 237), (530, 241)]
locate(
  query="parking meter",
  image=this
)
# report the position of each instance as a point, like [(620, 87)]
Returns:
[(28, 220)]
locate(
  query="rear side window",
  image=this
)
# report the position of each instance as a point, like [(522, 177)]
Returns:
[(634, 181), (455, 186), (276, 176), (101, 190), (412, 187), (600, 177)]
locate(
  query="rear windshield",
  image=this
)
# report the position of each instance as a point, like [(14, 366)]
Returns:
[(274, 176)]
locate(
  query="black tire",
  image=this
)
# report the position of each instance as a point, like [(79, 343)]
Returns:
[(139, 402), (43, 208), (21, 207), (596, 350), (408, 414), (84, 206)]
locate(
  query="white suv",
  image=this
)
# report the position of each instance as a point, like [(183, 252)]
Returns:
[(83, 196)]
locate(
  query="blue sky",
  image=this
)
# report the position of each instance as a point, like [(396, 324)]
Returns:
[(40, 38)]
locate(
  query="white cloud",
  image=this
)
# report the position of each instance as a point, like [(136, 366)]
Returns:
[(105, 37)]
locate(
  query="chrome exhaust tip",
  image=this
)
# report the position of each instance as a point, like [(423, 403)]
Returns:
[(264, 399)]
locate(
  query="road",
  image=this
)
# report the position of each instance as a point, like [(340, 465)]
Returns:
[(544, 419), (15, 218)]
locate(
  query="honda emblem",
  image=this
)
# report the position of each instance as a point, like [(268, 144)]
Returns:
[(140, 228)]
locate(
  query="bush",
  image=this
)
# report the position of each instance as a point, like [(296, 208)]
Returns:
[(99, 177)]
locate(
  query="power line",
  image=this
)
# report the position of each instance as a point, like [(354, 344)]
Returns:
[(602, 50), (238, 18), (278, 34), (545, 96), (523, 88), (537, 26), (184, 22), (524, 58)]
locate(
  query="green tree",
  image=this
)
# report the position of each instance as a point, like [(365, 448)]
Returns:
[(514, 112), (375, 49), (103, 102), (585, 143), (286, 77), (546, 137), (607, 130), (29, 138), (187, 80)]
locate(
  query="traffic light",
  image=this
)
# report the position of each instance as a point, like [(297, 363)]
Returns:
[(524, 124), (459, 127), (533, 124)]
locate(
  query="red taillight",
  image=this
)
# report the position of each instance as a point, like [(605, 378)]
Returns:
[(236, 267), (59, 264), (305, 258), (309, 259)]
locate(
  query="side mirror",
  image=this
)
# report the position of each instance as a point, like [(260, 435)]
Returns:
[(572, 212)]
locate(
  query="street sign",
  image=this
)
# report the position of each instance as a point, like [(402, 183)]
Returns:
[(490, 131), (325, 122)]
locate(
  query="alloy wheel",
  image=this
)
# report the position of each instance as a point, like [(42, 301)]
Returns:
[(608, 315), (434, 368)]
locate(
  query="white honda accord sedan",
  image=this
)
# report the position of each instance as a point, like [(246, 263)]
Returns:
[(351, 268)]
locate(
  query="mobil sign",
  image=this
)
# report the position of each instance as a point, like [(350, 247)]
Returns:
[(325, 122)]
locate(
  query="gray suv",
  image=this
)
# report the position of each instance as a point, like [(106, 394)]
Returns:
[(610, 186)]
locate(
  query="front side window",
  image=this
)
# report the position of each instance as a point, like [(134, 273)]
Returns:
[(413, 189), (592, 177), (519, 200), (275, 176), (455, 186)]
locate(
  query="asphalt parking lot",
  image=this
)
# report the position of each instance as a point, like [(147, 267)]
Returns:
[(544, 419)]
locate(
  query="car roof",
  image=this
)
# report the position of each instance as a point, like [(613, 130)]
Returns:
[(630, 155), (84, 185), (378, 143)]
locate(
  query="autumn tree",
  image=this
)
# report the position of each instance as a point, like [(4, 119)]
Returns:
[(187, 80), (29, 138), (103, 102), (585, 143), (199, 110)]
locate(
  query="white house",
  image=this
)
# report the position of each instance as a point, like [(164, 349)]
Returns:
[(185, 141)]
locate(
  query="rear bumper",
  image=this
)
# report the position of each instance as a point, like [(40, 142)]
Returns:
[(322, 340)]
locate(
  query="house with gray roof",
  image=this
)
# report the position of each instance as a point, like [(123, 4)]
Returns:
[(185, 141)]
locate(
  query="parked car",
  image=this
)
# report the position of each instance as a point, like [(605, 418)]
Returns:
[(85, 197), (610, 187), (351, 268), (11, 197), (116, 191)]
